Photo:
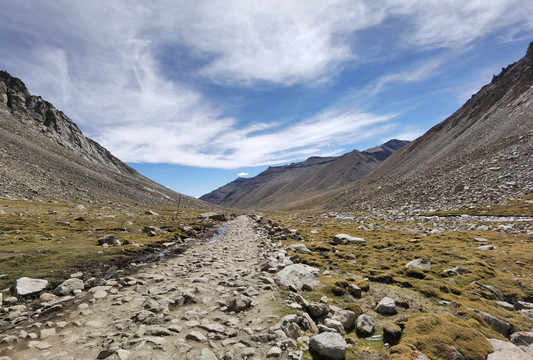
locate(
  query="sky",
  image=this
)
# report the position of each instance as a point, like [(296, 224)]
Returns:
[(195, 93)]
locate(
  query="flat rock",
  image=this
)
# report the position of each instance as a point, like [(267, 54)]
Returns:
[(196, 336), (504, 350), (345, 239), (421, 263), (207, 354), (26, 286), (486, 247)]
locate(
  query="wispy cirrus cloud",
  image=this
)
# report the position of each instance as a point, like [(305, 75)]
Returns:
[(133, 73)]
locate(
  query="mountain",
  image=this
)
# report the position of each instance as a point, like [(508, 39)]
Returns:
[(44, 155), (480, 155), (288, 185)]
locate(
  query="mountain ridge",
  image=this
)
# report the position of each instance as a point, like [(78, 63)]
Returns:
[(479, 155), (283, 186), (44, 155)]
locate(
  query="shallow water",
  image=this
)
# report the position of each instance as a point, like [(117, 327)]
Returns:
[(218, 234)]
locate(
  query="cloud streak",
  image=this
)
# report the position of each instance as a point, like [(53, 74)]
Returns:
[(102, 64)]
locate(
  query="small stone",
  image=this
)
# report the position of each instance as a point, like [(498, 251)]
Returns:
[(45, 333), (207, 354), (239, 304), (196, 336), (274, 352), (100, 294)]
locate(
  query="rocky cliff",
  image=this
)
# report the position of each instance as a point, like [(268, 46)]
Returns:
[(43, 155), (290, 185), (480, 155)]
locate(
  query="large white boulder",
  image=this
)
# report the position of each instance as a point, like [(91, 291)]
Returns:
[(299, 274), (26, 286)]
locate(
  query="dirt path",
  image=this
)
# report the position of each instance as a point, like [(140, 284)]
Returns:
[(211, 302)]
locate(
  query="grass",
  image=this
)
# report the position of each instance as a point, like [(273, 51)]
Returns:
[(379, 266), (35, 240)]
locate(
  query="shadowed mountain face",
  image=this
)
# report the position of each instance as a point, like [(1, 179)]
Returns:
[(481, 155), (287, 186), (44, 155)]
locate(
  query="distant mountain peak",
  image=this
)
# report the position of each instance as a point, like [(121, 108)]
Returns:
[(282, 186)]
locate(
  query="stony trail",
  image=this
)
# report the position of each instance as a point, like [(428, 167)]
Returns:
[(211, 302)]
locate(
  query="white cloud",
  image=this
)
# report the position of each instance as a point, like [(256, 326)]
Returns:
[(100, 62), (242, 174), (221, 145)]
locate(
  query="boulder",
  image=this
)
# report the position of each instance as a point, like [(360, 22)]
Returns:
[(345, 239), (239, 304), (299, 248), (297, 275), (68, 286), (26, 286), (328, 345), (365, 325), (421, 263), (391, 333), (335, 325), (386, 306), (504, 350), (354, 290), (522, 338), (345, 317), (501, 326), (317, 310)]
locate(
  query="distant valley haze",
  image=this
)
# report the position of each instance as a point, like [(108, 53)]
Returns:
[(195, 94)]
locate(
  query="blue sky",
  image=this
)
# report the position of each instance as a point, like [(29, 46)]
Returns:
[(193, 93)]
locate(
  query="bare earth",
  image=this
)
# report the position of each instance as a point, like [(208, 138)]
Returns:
[(173, 309)]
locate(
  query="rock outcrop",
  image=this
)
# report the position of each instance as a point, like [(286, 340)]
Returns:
[(44, 154)]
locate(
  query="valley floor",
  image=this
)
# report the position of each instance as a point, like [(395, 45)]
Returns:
[(173, 309)]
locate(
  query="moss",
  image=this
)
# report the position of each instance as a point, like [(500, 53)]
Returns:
[(434, 334), (354, 307), (363, 285), (416, 273)]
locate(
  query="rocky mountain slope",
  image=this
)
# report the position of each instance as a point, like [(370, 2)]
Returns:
[(480, 155), (284, 186), (44, 155)]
